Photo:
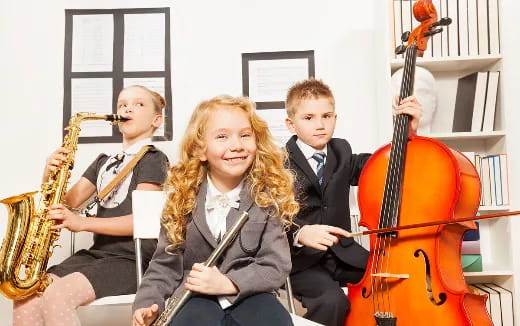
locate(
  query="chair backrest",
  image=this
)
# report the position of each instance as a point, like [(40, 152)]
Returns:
[(147, 207)]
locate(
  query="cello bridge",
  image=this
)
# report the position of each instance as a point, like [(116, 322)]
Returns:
[(390, 275)]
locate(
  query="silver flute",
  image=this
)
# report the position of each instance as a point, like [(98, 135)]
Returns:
[(174, 304)]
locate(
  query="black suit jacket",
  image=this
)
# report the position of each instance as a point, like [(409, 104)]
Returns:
[(326, 204)]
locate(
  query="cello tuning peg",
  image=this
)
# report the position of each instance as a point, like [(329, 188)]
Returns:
[(400, 49), (405, 36), (445, 21), (433, 32)]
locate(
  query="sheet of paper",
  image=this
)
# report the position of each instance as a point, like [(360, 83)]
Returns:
[(92, 43), (269, 80), (276, 121), (155, 84), (144, 42), (92, 95)]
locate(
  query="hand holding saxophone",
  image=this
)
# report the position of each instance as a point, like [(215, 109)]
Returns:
[(54, 161), (209, 280), (64, 218), (145, 316)]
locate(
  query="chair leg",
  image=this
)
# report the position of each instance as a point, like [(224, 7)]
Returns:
[(72, 243), (290, 298), (138, 261)]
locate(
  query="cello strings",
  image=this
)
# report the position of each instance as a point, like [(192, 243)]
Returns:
[(395, 170), (402, 127), (382, 244)]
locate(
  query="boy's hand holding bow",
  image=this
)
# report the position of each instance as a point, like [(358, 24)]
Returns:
[(320, 236)]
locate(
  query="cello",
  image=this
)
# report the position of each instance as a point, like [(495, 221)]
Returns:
[(414, 276)]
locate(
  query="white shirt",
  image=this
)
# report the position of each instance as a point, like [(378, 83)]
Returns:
[(308, 152), (216, 213), (120, 192), (217, 209)]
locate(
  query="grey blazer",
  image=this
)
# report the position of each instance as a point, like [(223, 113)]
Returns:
[(258, 260)]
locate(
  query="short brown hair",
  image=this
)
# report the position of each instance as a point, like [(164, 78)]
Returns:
[(306, 89)]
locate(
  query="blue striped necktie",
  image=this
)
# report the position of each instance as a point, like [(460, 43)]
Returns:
[(320, 158)]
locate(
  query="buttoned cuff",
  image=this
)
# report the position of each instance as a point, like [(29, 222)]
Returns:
[(224, 302)]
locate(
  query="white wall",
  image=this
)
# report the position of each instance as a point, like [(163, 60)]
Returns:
[(208, 38)]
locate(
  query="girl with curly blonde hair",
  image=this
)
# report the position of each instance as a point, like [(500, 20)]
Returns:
[(228, 164)]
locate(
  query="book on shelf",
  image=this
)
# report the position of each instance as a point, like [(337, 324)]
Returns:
[(469, 102), (493, 27), (494, 180), (482, 19), (472, 235), (462, 11), (436, 41), (497, 186), (472, 28), (444, 36), (506, 303), (485, 181), (471, 263), (470, 247), (505, 178), (479, 101), (491, 101), (476, 290), (494, 308), (453, 29)]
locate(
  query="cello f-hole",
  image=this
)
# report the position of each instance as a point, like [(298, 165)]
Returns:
[(365, 293), (429, 291)]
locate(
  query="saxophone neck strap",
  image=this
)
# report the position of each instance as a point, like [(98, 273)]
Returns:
[(120, 176)]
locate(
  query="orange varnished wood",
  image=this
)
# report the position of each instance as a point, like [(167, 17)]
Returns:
[(438, 184)]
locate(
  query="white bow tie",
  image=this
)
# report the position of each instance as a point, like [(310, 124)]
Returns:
[(221, 201)]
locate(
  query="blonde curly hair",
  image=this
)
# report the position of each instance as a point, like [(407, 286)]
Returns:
[(271, 184)]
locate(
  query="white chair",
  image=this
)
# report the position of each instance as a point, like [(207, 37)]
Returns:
[(116, 310)]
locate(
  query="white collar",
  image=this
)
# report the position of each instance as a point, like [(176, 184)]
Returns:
[(132, 150), (307, 150), (232, 195)]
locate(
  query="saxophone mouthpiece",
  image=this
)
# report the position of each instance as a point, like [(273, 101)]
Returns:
[(116, 118)]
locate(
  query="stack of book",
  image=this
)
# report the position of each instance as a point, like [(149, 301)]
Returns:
[(499, 302), (492, 170), (474, 30), (471, 257)]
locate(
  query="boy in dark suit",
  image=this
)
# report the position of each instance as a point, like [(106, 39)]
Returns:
[(324, 258)]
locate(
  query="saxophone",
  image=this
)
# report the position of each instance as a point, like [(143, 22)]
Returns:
[(29, 239)]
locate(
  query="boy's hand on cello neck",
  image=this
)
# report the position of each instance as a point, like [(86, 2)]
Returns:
[(410, 106), (209, 280), (321, 237), (145, 316)]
